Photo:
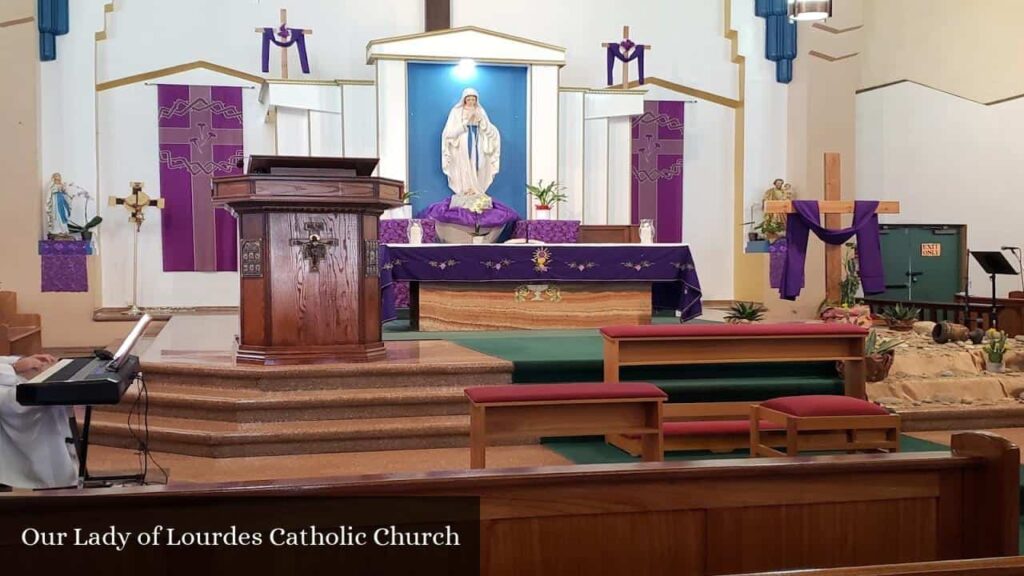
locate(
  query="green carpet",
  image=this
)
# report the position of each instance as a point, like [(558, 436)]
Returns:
[(593, 450)]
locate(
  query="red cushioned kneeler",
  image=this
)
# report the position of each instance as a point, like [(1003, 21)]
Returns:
[(833, 423)]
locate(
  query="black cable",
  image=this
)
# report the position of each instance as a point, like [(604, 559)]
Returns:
[(145, 455), (148, 453)]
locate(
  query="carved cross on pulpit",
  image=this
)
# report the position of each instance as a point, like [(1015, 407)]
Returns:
[(314, 247)]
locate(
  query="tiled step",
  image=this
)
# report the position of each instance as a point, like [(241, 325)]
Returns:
[(231, 439), (252, 405)]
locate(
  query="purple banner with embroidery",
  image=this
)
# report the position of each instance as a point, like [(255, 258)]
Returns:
[(657, 188), (396, 231), (669, 267), (550, 231), (200, 139), (291, 36), (64, 268), (619, 50)]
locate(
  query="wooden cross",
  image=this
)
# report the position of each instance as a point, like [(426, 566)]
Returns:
[(284, 51), (136, 203), (625, 65), (832, 208), (314, 248)]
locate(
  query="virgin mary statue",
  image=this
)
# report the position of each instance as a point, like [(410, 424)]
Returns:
[(470, 152), (470, 158)]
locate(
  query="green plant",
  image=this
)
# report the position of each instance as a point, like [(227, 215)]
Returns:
[(80, 229), (900, 313), (770, 227), (409, 195), (745, 312), (547, 196), (995, 348), (875, 346), (850, 283)]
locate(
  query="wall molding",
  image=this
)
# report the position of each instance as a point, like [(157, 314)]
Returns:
[(831, 30), (107, 9), (196, 65), (17, 21), (955, 95), (829, 58)]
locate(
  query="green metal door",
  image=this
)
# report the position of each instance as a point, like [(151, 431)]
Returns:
[(922, 263), (934, 263), (896, 262)]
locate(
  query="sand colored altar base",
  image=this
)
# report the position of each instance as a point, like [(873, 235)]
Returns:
[(946, 387)]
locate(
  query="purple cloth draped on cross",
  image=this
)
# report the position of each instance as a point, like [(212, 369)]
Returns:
[(806, 218), (617, 51), (297, 37)]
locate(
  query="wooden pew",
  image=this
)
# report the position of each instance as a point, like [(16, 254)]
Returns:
[(678, 344), (20, 334), (1012, 566), (699, 517)]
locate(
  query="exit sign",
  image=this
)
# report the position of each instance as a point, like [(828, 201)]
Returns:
[(931, 250)]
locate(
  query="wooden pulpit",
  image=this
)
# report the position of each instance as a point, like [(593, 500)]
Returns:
[(308, 251)]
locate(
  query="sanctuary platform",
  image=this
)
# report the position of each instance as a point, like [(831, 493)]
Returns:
[(202, 403)]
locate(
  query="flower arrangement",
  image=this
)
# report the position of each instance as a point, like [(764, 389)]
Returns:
[(477, 207)]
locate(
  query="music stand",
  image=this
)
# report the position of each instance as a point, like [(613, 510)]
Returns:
[(994, 263)]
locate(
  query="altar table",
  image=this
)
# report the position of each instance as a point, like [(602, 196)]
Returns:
[(528, 286)]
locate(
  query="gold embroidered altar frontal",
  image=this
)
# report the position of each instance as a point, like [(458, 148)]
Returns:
[(519, 306)]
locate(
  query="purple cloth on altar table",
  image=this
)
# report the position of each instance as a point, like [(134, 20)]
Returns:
[(499, 215), (776, 261), (64, 266), (550, 231), (396, 231), (806, 218), (657, 168), (200, 131), (669, 267)]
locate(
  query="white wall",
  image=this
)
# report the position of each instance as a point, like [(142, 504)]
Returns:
[(948, 161)]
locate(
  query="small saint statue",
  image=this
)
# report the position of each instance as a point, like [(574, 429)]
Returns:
[(470, 151), (780, 190), (58, 209)]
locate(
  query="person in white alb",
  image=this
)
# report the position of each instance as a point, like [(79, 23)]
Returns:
[(34, 440)]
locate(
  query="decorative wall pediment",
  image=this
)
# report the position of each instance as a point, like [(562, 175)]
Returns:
[(466, 42)]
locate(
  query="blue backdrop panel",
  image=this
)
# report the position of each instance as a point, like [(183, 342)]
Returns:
[(433, 90)]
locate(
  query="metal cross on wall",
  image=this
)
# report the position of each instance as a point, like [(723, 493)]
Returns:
[(626, 51), (314, 247)]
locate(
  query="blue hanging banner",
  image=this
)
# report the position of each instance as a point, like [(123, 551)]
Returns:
[(53, 20), (780, 36)]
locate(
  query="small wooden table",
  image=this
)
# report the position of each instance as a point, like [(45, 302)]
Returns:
[(565, 410)]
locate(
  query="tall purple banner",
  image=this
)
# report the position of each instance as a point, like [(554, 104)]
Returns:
[(200, 139), (657, 191)]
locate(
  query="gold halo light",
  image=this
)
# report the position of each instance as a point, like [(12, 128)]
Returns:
[(810, 10)]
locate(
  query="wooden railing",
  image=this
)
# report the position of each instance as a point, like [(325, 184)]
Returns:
[(959, 313)]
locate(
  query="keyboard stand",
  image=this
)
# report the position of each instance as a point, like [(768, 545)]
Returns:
[(86, 480)]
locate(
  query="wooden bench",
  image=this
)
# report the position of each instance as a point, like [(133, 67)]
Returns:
[(20, 334), (719, 427), (668, 344), (703, 517), (565, 410), (823, 423)]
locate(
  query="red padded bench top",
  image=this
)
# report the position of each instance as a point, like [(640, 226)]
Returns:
[(733, 330), (542, 392), (824, 405)]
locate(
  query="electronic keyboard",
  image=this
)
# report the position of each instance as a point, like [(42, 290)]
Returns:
[(79, 381)]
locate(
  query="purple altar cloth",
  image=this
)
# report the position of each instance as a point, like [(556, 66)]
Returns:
[(396, 231), (64, 267), (550, 231), (442, 211), (776, 262), (669, 266)]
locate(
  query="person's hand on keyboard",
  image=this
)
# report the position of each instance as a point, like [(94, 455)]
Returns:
[(31, 364)]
